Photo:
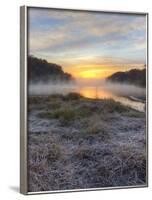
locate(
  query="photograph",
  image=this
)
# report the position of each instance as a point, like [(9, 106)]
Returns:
[(86, 99)]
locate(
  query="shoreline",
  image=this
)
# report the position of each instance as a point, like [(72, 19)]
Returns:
[(131, 98)]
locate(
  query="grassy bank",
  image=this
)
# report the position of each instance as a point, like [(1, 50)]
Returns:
[(76, 142)]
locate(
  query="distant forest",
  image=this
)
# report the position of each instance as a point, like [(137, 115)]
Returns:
[(40, 70), (134, 76)]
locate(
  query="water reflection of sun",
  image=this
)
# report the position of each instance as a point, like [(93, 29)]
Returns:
[(94, 92)]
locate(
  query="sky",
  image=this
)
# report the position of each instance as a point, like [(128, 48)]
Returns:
[(88, 45)]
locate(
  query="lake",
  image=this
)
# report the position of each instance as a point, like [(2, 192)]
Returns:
[(102, 93), (120, 93)]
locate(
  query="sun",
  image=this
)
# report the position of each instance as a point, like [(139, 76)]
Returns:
[(88, 74), (91, 74)]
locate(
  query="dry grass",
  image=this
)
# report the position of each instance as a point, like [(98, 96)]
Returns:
[(94, 143), (72, 96)]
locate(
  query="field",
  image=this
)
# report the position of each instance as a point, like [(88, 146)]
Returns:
[(76, 142)]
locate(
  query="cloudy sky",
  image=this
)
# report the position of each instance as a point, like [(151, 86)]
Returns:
[(88, 44)]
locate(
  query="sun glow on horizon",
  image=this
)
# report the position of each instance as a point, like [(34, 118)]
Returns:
[(88, 45), (92, 73), (96, 71)]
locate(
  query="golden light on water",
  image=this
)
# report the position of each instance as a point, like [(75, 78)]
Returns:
[(94, 92), (101, 93)]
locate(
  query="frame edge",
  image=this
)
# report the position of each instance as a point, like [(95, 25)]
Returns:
[(23, 100)]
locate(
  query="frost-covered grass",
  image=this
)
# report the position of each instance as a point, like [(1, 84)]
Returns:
[(86, 143)]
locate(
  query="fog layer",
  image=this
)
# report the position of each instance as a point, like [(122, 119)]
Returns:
[(64, 88)]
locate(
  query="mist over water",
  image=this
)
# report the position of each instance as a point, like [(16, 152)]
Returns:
[(126, 94), (50, 88), (125, 89), (80, 86)]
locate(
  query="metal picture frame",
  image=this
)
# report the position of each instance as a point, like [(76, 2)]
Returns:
[(23, 102)]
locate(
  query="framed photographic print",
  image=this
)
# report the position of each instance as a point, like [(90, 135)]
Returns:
[(83, 100)]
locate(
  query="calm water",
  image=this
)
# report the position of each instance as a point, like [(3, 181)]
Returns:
[(100, 92)]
